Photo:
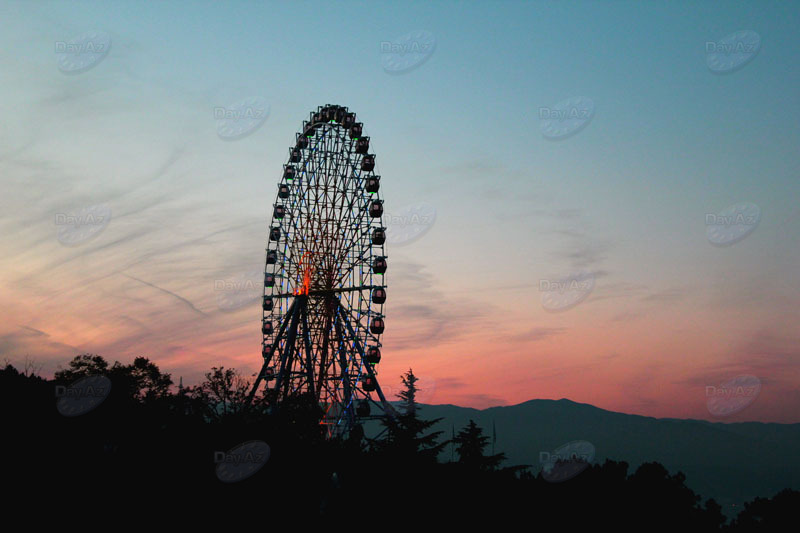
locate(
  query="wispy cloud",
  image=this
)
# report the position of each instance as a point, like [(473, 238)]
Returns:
[(536, 334)]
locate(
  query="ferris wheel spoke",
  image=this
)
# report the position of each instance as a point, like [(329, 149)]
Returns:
[(343, 362), (325, 292)]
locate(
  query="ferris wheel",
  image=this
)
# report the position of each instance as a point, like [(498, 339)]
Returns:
[(324, 280)]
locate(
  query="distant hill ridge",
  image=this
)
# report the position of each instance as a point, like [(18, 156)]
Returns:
[(731, 462)]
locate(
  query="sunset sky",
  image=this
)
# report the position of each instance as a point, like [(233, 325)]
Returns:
[(623, 201)]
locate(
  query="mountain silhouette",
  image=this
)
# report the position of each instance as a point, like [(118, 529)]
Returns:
[(730, 462)]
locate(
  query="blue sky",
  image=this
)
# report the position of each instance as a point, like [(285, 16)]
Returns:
[(624, 198)]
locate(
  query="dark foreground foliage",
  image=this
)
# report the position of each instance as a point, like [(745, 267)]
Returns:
[(146, 451)]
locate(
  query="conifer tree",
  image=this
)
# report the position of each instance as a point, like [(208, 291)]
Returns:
[(407, 432), (470, 445)]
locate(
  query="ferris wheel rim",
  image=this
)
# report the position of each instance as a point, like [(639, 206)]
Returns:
[(334, 292)]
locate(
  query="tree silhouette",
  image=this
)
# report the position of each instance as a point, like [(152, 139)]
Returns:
[(470, 445), (406, 432), (408, 396), (655, 492), (769, 514), (81, 366), (224, 393), (148, 383), (134, 445), (142, 380)]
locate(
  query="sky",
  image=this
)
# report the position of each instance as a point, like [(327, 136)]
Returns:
[(606, 193)]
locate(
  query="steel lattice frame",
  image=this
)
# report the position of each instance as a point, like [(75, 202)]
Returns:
[(324, 284)]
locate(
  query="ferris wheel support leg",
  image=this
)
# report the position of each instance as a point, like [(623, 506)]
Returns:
[(388, 409), (286, 358), (323, 353), (348, 387), (307, 344), (268, 359)]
